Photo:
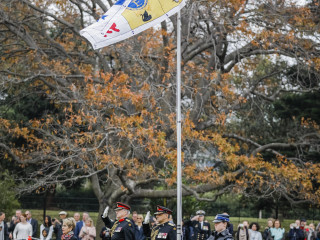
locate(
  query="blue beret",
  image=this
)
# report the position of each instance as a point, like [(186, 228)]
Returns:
[(221, 218)]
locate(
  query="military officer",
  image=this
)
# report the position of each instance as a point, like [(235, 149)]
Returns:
[(123, 227), (164, 230), (220, 225), (201, 229)]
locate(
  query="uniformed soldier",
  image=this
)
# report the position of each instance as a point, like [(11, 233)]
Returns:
[(123, 227), (164, 228), (201, 229), (220, 225)]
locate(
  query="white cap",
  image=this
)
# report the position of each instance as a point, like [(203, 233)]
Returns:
[(62, 213)]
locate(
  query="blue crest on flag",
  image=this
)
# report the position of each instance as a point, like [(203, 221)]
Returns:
[(134, 4)]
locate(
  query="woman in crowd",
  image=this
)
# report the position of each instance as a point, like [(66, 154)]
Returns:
[(46, 229), (23, 229), (254, 233), (139, 228), (277, 232), (68, 226), (311, 232), (88, 231), (243, 232), (267, 233)]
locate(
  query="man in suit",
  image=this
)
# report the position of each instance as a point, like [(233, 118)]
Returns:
[(76, 217), (4, 233), (80, 224), (14, 221), (33, 222)]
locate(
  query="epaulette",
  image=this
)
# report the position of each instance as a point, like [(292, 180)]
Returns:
[(171, 224)]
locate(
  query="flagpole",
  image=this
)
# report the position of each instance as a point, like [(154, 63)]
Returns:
[(178, 109)]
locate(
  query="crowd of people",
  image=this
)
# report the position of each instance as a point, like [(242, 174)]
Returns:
[(158, 227)]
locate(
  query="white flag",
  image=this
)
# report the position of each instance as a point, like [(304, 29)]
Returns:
[(127, 18)]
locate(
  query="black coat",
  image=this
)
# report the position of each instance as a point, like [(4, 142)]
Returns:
[(296, 234), (267, 234), (57, 229), (5, 231), (12, 226), (166, 231), (122, 229)]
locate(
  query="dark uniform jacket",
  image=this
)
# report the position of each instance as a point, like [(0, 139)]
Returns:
[(166, 231), (201, 233), (224, 235), (122, 229)]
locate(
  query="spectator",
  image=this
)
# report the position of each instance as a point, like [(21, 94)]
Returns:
[(277, 232), (303, 224), (46, 229), (267, 233), (317, 233), (23, 229), (76, 217), (243, 232), (4, 232), (80, 224), (68, 226), (311, 232), (88, 231), (14, 221), (295, 233), (185, 230), (105, 233), (134, 216), (33, 222), (139, 235), (57, 225), (254, 233)]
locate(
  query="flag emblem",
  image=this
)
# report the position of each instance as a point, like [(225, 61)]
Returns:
[(137, 4)]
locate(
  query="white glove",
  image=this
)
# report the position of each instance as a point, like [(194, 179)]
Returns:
[(147, 218), (105, 213)]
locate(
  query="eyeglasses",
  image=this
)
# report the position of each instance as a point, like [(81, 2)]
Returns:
[(139, 218)]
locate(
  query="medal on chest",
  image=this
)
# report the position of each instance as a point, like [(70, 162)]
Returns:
[(162, 235), (118, 229), (205, 228)]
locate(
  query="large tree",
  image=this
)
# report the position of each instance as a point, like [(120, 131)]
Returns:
[(111, 113)]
